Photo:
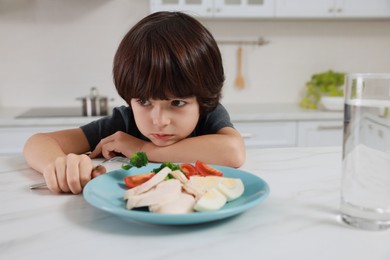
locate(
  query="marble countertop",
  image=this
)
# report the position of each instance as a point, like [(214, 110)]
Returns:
[(299, 219), (238, 112)]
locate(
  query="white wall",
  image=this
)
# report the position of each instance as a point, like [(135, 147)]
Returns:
[(52, 51)]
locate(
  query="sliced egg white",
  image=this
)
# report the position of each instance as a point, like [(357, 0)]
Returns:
[(230, 187), (211, 200), (206, 182)]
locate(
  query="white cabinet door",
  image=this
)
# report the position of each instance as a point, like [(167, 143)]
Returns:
[(244, 8), (320, 133), (268, 134), (13, 138), (201, 8), (217, 8), (304, 8), (363, 8), (332, 8)]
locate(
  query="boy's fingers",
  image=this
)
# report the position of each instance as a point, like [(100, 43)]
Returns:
[(96, 152), (51, 179), (60, 170), (73, 174), (85, 167), (98, 170)]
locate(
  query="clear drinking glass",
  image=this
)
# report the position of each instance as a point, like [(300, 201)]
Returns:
[(365, 187)]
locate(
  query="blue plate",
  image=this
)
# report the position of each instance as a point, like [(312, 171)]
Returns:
[(106, 192)]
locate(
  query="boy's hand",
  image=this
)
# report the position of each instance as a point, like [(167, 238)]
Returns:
[(118, 143), (70, 173)]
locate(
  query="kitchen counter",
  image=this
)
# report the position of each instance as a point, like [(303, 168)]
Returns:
[(10, 117), (299, 219)]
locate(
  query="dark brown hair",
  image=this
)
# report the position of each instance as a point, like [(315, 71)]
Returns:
[(169, 54)]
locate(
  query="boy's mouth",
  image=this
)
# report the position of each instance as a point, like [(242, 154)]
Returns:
[(162, 137)]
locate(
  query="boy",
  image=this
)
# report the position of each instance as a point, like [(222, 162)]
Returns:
[(168, 68)]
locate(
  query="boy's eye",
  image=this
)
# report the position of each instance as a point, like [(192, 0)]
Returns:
[(178, 103), (143, 102)]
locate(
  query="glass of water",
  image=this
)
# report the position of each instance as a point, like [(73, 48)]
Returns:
[(365, 187)]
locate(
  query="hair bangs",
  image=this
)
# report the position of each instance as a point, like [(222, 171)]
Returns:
[(164, 76)]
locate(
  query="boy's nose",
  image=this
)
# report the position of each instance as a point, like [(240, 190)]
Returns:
[(160, 117)]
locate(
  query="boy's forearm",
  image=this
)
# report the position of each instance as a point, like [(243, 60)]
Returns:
[(214, 149), (40, 150)]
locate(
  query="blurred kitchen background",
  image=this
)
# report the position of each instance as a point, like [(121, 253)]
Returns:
[(52, 51)]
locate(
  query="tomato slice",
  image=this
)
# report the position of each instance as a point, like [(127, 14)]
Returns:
[(135, 180), (188, 169), (205, 169)]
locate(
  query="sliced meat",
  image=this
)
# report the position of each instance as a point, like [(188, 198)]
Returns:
[(177, 174), (193, 189), (159, 177), (184, 203), (162, 193)]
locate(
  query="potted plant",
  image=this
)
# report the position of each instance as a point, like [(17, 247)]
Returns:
[(324, 89)]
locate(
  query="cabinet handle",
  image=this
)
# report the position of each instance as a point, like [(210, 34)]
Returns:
[(329, 127), (331, 10), (339, 10), (247, 135)]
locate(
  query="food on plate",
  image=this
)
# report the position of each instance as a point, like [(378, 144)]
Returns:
[(183, 203), (188, 169), (156, 179), (206, 170), (135, 180), (161, 193), (211, 200), (231, 188), (138, 159), (167, 190)]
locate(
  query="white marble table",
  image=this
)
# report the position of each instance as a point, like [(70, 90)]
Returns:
[(299, 220)]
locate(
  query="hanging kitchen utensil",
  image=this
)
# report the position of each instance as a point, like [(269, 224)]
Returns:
[(239, 82)]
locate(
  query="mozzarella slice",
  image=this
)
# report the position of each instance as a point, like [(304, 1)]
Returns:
[(211, 200), (230, 187)]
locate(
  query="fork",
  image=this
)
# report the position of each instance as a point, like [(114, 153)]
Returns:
[(113, 159)]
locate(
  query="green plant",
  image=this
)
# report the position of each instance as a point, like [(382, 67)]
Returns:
[(328, 83)]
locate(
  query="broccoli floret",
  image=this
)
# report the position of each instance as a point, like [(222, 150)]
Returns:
[(138, 160), (170, 165)]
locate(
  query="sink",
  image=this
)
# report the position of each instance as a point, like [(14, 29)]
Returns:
[(46, 112)]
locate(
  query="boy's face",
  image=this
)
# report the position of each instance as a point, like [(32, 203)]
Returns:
[(166, 122)]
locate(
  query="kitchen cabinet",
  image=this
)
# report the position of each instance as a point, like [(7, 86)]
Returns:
[(373, 132), (13, 138), (332, 8), (218, 8), (261, 125), (268, 134), (291, 133), (277, 8), (320, 133), (256, 134)]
